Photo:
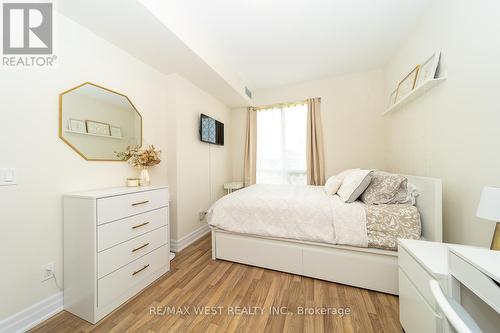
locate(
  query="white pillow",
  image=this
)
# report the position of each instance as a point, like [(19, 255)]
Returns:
[(354, 184), (332, 185), (344, 173)]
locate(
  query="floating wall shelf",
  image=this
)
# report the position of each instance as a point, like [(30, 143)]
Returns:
[(417, 92)]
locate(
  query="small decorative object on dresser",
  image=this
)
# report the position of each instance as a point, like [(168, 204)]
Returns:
[(489, 209), (116, 243), (141, 159), (132, 182), (407, 84)]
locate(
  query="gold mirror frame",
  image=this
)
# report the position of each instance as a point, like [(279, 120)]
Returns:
[(61, 120)]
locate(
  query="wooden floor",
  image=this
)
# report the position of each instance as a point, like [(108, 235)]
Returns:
[(238, 292)]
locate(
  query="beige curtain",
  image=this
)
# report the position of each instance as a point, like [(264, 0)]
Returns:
[(250, 171), (314, 153)]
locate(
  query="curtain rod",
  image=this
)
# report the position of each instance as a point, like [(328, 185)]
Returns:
[(280, 105)]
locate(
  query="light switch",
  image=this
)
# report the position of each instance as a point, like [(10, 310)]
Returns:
[(8, 176)]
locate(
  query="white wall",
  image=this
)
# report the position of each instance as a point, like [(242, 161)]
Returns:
[(31, 212), (351, 106), (453, 131), (201, 169)]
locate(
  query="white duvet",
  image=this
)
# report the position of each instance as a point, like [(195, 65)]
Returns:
[(291, 211)]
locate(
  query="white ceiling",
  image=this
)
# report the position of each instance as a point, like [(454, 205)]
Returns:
[(133, 28), (277, 42)]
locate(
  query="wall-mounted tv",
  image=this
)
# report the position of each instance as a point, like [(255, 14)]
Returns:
[(211, 130)]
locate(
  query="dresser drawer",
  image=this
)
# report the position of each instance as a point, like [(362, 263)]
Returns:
[(479, 283), (415, 314), (418, 275), (124, 253), (117, 232), (134, 275), (121, 206)]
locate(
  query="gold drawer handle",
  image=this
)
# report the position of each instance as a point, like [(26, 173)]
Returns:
[(137, 272), (140, 225), (140, 247), (140, 203)]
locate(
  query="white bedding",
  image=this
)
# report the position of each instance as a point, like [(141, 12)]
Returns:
[(291, 211)]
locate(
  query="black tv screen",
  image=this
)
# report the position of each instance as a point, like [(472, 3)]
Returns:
[(211, 130)]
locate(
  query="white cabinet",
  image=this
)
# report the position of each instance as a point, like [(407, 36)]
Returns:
[(419, 263), (116, 243)]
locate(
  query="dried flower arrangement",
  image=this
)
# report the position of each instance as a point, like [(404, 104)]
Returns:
[(140, 158)]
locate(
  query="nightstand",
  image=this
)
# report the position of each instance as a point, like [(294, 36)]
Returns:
[(233, 186), (419, 263)]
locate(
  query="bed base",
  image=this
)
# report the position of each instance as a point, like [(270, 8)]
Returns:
[(365, 268), (372, 269)]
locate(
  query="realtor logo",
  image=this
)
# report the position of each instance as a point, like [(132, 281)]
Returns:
[(27, 28), (28, 39)]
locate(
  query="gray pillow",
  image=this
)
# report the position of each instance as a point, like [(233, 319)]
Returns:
[(385, 188)]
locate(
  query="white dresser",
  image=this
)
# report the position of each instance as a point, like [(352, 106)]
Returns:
[(419, 263), (116, 242)]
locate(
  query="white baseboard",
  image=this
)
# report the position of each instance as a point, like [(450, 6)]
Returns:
[(33, 315), (178, 245)]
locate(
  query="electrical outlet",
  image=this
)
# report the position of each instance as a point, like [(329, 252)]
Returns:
[(48, 271), (202, 215)]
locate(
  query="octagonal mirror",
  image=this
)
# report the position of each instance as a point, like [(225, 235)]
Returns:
[(98, 122)]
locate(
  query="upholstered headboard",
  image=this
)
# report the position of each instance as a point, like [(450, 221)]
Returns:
[(430, 206)]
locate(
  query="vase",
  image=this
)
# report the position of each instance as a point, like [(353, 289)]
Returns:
[(144, 177)]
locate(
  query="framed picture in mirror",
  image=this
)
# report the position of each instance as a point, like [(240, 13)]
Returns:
[(98, 128), (116, 132), (76, 125)]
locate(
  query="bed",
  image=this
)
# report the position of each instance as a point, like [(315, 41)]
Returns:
[(316, 251)]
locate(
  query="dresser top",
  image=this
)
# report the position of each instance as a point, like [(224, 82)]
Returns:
[(432, 256), (114, 191)]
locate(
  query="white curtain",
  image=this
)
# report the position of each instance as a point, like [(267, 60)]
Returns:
[(281, 145)]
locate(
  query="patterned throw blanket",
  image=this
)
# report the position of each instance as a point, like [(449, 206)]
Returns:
[(386, 223)]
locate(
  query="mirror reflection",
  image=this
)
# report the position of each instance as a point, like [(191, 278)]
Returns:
[(97, 122)]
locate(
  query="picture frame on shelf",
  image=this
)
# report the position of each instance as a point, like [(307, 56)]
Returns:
[(97, 128), (407, 84), (392, 98), (116, 132), (76, 125), (428, 69)]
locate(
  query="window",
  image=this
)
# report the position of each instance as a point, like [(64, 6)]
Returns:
[(281, 145)]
